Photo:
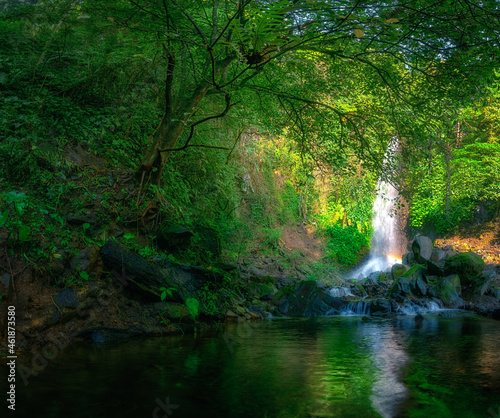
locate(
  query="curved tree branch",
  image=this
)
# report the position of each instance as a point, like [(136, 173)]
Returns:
[(220, 115)]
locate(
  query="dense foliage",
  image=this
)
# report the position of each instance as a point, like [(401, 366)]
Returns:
[(456, 170), (262, 113)]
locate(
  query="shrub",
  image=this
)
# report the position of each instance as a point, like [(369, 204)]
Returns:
[(346, 245)]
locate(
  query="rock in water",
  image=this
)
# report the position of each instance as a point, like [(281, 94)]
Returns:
[(448, 290), (306, 299)]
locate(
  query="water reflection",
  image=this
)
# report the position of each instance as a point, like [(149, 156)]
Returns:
[(314, 367), (388, 353)]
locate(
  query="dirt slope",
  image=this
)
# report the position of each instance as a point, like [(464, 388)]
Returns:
[(483, 239)]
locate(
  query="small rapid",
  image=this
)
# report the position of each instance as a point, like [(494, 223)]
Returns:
[(356, 305)]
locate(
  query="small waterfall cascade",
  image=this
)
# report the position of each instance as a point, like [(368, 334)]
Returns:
[(340, 292), (420, 308), (384, 251), (358, 308)]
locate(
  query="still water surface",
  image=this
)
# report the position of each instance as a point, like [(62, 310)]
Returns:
[(312, 367)]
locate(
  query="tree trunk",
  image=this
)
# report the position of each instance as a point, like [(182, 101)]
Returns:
[(171, 128), (174, 122), (447, 159)]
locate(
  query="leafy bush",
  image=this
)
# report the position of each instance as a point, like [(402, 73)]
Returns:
[(193, 307), (346, 244), (272, 237), (290, 205), (446, 198)]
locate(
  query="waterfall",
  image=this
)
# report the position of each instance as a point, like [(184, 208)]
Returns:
[(383, 252), (340, 292), (359, 308)]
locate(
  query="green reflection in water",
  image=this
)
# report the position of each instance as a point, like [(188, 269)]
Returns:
[(312, 367)]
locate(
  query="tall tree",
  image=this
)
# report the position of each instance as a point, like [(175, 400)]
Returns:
[(219, 48)]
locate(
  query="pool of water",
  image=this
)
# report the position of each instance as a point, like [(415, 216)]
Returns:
[(311, 367)]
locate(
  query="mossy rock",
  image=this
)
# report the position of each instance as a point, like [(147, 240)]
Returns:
[(448, 290), (261, 290), (306, 299), (414, 272), (398, 270), (468, 266), (401, 287)]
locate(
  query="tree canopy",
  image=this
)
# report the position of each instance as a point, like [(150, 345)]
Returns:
[(212, 56), (331, 81)]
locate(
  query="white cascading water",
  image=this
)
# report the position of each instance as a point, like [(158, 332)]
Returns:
[(382, 252), (340, 292)]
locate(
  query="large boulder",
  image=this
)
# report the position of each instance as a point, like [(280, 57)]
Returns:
[(440, 255), (416, 271), (145, 278), (448, 290), (468, 266), (436, 263), (422, 249), (410, 282), (306, 299)]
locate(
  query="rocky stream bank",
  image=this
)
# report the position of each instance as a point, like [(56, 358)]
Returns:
[(132, 296)]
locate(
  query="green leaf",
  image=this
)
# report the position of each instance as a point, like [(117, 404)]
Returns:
[(3, 218), (84, 275), (23, 233), (193, 306), (165, 292), (14, 197)]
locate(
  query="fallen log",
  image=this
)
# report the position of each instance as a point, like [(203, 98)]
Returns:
[(147, 277)]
